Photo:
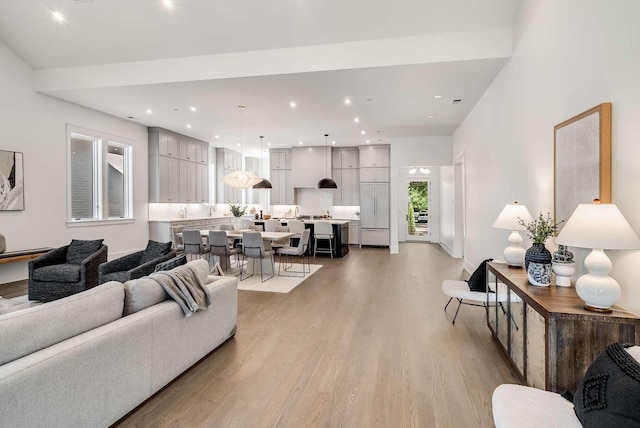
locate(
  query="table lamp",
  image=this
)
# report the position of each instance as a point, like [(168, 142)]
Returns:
[(509, 219), (600, 227)]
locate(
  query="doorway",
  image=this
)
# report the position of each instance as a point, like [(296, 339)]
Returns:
[(418, 218)]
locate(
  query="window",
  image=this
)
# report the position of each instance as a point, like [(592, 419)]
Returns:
[(99, 176)]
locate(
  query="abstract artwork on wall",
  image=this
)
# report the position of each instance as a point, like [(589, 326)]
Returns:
[(11, 181), (582, 147)]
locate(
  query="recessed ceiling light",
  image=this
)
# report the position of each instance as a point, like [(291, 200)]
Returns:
[(239, 144), (347, 101), (333, 142), (368, 141), (149, 111), (424, 170), (356, 119), (192, 108), (412, 171), (363, 132), (268, 144), (300, 142), (292, 104), (189, 126), (437, 97), (57, 15), (168, 4), (217, 137), (430, 116)]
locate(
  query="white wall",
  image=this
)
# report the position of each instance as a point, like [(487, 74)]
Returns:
[(426, 151), (570, 56), (446, 209), (35, 124)]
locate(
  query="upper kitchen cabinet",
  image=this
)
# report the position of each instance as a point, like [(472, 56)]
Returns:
[(167, 145), (280, 159), (309, 165), (345, 158), (227, 161), (374, 156), (172, 168), (280, 177)]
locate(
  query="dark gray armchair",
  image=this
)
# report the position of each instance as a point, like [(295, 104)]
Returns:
[(136, 265), (66, 270)]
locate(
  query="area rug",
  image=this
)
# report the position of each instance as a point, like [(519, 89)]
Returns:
[(277, 284), (16, 304)]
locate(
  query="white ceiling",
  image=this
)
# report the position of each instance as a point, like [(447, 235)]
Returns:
[(130, 33)]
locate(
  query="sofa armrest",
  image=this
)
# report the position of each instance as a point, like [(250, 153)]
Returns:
[(90, 265), (125, 263), (148, 267)]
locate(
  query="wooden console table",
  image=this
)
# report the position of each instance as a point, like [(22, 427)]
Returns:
[(545, 333), (22, 255)]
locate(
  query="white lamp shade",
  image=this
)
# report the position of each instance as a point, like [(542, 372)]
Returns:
[(241, 179), (598, 226), (510, 217)]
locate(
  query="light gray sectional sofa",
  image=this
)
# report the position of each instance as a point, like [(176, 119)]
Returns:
[(78, 362)]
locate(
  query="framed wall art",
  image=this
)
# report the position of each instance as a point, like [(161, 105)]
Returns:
[(11, 181), (582, 160)]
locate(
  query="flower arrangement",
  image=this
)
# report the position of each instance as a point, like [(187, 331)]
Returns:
[(541, 228), (237, 210)]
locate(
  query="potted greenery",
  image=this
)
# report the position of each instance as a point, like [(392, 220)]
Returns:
[(540, 230), (237, 211)]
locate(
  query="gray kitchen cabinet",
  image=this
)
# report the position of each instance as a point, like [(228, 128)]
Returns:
[(167, 180), (168, 145), (374, 156), (227, 161), (173, 172)]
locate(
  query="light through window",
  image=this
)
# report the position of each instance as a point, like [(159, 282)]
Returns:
[(99, 176)]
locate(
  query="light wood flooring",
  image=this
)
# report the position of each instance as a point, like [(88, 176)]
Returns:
[(362, 343)]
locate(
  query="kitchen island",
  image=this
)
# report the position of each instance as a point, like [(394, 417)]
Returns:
[(340, 230)]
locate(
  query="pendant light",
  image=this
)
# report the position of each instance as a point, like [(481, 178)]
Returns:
[(241, 179), (326, 183), (264, 184)]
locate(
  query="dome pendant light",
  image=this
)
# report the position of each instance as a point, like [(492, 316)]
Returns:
[(326, 183), (241, 179), (264, 184)]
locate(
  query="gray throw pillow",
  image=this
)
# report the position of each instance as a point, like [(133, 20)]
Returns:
[(172, 263), (80, 250), (154, 250)]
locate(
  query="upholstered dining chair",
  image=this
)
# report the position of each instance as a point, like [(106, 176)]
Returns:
[(323, 231), (192, 241), (253, 248), (298, 251), (219, 246), (297, 227), (176, 234)]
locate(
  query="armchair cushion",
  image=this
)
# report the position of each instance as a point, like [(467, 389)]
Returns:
[(79, 250), (154, 250), (58, 273)]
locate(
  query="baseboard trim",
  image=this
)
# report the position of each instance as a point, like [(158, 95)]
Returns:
[(448, 249)]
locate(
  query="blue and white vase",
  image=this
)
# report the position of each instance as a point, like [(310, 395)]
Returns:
[(539, 274), (538, 253)]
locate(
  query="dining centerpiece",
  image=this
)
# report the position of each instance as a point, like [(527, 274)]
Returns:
[(237, 211), (537, 259)]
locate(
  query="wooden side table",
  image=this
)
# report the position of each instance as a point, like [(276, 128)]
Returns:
[(545, 333)]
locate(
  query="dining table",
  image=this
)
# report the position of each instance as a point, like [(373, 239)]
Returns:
[(268, 237)]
